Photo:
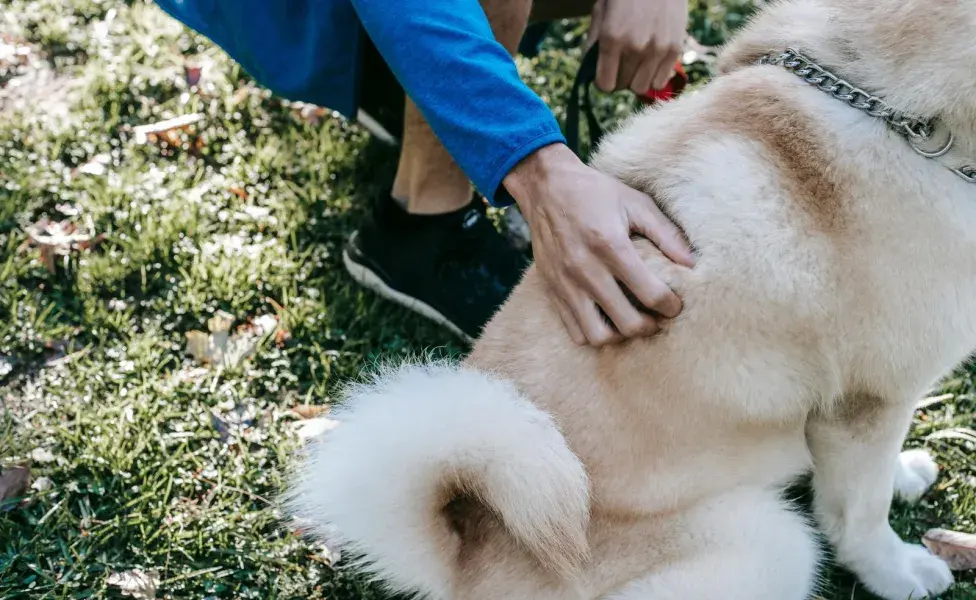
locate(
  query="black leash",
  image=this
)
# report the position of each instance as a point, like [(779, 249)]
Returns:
[(579, 97)]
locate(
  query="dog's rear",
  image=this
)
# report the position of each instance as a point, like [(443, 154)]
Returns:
[(822, 236), (418, 451)]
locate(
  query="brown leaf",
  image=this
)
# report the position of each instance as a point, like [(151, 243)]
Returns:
[(166, 130), (14, 482), (310, 411), (310, 428), (310, 113), (57, 238), (137, 583), (13, 52), (198, 145), (222, 348), (97, 165), (281, 337), (958, 549)]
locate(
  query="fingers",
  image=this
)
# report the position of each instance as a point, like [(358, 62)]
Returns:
[(608, 65), (629, 64), (644, 77), (597, 331), (629, 321), (648, 220), (580, 316), (591, 286), (665, 70), (649, 290), (569, 320)]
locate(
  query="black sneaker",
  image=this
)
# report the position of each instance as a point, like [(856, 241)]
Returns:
[(455, 269)]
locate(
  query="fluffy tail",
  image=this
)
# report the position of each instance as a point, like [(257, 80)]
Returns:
[(412, 440)]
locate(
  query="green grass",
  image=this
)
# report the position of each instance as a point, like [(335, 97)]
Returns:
[(152, 462)]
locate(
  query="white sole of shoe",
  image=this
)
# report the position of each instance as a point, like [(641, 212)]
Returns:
[(367, 278)]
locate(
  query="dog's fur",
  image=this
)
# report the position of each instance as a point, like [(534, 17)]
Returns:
[(835, 284)]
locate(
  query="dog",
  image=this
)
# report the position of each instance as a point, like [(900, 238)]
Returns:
[(835, 284)]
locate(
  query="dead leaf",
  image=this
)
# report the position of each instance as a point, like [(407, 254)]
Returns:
[(281, 337), (315, 427), (13, 52), (13, 484), (956, 548), (67, 209), (97, 166), (42, 484), (197, 346), (239, 192), (136, 583), (309, 113), (57, 238), (42, 455), (165, 130), (326, 555), (310, 411), (221, 348)]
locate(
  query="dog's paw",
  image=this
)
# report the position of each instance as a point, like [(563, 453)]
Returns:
[(909, 573), (914, 475)]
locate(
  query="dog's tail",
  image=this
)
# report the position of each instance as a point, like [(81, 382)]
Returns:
[(414, 439)]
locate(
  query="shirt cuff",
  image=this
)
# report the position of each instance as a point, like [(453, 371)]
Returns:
[(496, 194)]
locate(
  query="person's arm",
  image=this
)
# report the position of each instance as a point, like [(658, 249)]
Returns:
[(464, 83), (506, 140)]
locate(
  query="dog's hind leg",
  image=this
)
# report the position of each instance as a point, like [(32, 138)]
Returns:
[(857, 467), (745, 545)]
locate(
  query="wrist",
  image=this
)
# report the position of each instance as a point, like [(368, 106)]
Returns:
[(533, 175)]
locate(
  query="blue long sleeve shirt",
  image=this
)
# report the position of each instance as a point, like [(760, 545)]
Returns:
[(442, 52)]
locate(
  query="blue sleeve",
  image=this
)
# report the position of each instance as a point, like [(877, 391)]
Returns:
[(464, 82)]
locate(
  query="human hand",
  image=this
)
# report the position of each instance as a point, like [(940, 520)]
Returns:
[(640, 41), (582, 221)]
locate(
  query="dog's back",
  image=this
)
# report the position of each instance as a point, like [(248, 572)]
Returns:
[(818, 230)]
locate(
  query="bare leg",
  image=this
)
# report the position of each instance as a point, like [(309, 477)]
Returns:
[(856, 458), (427, 180)]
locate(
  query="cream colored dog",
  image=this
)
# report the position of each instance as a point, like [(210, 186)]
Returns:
[(836, 282)]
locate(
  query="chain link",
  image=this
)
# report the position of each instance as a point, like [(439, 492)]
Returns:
[(916, 130), (967, 173), (843, 90)]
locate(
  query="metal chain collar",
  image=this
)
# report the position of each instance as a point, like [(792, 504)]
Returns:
[(916, 131)]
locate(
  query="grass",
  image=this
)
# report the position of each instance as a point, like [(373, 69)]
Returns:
[(150, 461)]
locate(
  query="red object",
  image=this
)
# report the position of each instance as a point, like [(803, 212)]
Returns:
[(671, 90)]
